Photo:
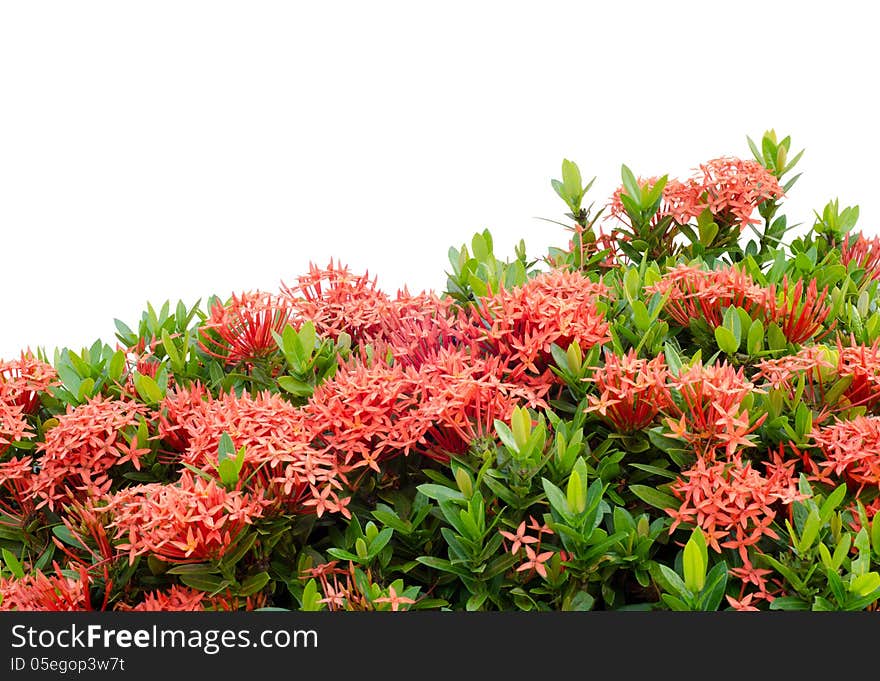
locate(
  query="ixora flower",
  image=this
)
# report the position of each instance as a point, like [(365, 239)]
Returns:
[(708, 413), (632, 391), (851, 450), (39, 591), (521, 324), (461, 397), (80, 453), (241, 330), (190, 521), (176, 599), (338, 301), (694, 293), (860, 252), (800, 313), (732, 189), (732, 502), (279, 464), (23, 379)]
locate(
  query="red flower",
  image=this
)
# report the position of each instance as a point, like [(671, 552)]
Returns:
[(280, 463), (851, 450), (732, 189), (22, 380), (731, 502), (175, 599), (679, 200), (865, 253), (79, 452), (460, 398), (708, 410), (632, 391), (800, 317), (191, 521), (417, 327), (695, 293), (521, 324), (41, 592), (337, 301), (241, 331)]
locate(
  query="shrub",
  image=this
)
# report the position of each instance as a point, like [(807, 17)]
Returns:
[(676, 409)]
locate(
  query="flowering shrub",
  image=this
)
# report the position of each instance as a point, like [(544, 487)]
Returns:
[(679, 408)]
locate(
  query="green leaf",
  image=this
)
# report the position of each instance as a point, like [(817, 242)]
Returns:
[(631, 185), (693, 563), (307, 338), (556, 498), (295, 386), (212, 584), (726, 340), (253, 584), (148, 389), (440, 492), (755, 339), (654, 497), (13, 564), (789, 603), (117, 364)]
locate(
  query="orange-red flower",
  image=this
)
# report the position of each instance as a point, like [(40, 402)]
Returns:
[(337, 301), (364, 414), (800, 314), (851, 450), (191, 521), (461, 397), (23, 379), (679, 200), (39, 591), (732, 189), (175, 599), (241, 330), (708, 413), (695, 293), (280, 463), (417, 327), (733, 503), (632, 391), (521, 324), (89, 441), (864, 252)]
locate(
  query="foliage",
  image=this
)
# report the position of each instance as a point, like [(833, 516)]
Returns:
[(679, 408)]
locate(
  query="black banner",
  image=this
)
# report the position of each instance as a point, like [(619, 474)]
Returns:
[(407, 645)]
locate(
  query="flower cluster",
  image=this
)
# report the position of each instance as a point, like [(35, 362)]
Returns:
[(677, 414), (632, 391), (190, 521)]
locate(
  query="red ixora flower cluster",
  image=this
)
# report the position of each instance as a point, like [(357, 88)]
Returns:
[(338, 301), (851, 449), (280, 464), (79, 453), (695, 293), (730, 188), (21, 382), (821, 367), (521, 324), (46, 592), (858, 251), (732, 502), (708, 412), (632, 391), (190, 521), (240, 332)]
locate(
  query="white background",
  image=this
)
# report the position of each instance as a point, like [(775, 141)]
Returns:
[(153, 150)]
